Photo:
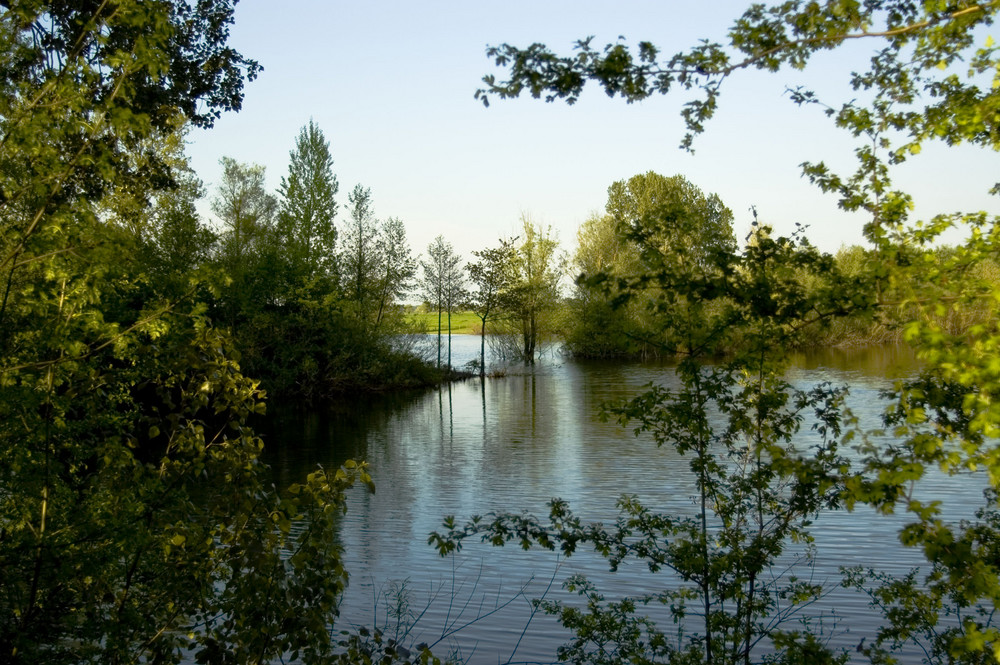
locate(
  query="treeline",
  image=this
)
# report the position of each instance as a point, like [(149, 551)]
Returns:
[(312, 293), (655, 224)]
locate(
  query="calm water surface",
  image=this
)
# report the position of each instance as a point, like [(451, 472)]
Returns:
[(514, 443)]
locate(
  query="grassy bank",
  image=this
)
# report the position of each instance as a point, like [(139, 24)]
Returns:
[(462, 323)]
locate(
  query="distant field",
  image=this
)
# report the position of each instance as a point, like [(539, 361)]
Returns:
[(462, 323)]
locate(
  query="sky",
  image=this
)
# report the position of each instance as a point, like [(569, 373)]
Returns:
[(391, 84)]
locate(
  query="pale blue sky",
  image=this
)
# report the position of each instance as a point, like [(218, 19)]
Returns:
[(391, 85)]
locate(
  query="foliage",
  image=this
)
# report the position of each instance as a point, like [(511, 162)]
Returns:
[(308, 209), (670, 215), (310, 324), (358, 257), (177, 242), (530, 300), (396, 272), (934, 76), (920, 40), (491, 276), (145, 530), (598, 328), (248, 251), (137, 522), (648, 217), (441, 285), (887, 325)]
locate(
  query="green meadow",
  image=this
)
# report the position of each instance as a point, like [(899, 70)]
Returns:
[(462, 323)]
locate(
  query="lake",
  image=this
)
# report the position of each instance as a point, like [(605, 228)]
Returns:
[(512, 444)]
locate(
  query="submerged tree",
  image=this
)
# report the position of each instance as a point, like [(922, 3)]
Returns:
[(441, 274), (533, 293), (491, 275)]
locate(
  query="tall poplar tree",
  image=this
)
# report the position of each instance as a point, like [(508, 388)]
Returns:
[(308, 207)]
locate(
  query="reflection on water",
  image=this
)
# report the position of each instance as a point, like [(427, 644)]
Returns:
[(513, 444)]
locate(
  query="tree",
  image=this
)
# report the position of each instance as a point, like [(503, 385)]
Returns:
[(248, 251), (438, 283), (138, 522), (933, 76), (769, 38), (454, 292), (245, 209), (172, 240), (650, 219), (491, 276), (397, 269), (735, 423), (601, 322), (308, 207), (670, 216), (177, 242), (534, 289), (359, 255)]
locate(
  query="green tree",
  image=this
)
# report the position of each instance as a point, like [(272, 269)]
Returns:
[(757, 488), (601, 323), (179, 241), (670, 216), (359, 257), (245, 210), (397, 270), (249, 252), (491, 276), (308, 207), (138, 522), (531, 300), (172, 240), (438, 285), (649, 217)]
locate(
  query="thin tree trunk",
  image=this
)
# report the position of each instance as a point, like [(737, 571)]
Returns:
[(482, 349), (439, 334)]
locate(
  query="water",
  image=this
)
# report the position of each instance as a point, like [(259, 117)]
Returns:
[(514, 443)]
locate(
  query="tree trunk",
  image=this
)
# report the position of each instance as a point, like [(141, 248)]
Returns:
[(439, 335), (482, 349)]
